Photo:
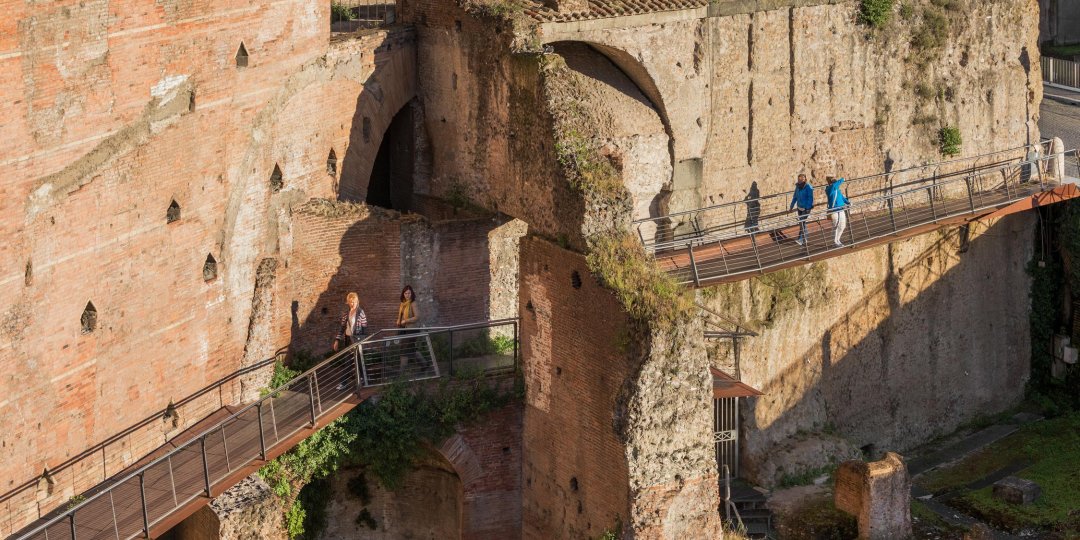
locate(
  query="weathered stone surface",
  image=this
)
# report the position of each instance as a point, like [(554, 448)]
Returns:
[(1014, 490), (878, 494), (247, 511)]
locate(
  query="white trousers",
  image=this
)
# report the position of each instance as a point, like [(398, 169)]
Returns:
[(839, 221)]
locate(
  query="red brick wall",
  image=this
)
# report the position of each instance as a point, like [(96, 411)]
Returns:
[(94, 151), (574, 371), (487, 456), (461, 281)]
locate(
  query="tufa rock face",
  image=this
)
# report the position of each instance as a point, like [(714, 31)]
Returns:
[(878, 494), (247, 511)]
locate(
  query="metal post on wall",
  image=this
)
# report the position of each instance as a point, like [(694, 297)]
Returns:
[(515, 346), (311, 395), (205, 465), (451, 353), (142, 497), (262, 433)]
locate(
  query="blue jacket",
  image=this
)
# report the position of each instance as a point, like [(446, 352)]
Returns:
[(803, 197), (835, 195)]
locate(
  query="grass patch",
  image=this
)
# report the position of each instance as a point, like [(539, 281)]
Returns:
[(806, 477), (933, 32), (1053, 448), (818, 520), (1061, 51)]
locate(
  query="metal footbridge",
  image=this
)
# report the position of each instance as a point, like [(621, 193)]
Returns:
[(736, 240), (152, 497)]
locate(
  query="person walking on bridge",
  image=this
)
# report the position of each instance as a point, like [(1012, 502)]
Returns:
[(837, 207), (802, 201), (353, 325)]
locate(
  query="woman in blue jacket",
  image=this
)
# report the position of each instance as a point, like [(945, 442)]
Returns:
[(802, 201)]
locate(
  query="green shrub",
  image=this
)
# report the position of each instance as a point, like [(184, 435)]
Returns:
[(340, 12), (907, 11), (933, 33), (875, 13), (949, 141)]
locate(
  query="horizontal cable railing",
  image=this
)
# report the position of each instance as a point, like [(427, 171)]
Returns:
[(740, 246), (131, 505), (353, 15), (489, 347), (730, 219)]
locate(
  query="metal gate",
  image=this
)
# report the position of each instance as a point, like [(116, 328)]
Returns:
[(726, 428)]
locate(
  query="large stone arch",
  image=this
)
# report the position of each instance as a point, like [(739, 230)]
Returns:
[(389, 89)]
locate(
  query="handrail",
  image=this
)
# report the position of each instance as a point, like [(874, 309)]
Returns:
[(852, 181), (309, 376), (149, 419), (738, 228)]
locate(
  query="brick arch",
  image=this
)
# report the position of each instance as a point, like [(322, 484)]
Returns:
[(385, 93), (456, 451)]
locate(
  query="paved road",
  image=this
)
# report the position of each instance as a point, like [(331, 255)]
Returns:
[(1060, 115)]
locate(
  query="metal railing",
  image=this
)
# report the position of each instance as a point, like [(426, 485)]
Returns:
[(97, 455), (353, 15), (1060, 72), (489, 347), (130, 506), (749, 236)]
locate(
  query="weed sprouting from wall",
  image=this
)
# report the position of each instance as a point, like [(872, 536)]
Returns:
[(949, 141), (875, 13)]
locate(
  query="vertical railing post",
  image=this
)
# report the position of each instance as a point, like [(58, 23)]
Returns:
[(71, 521), (451, 338), (757, 256), (363, 364), (358, 369), (311, 395), (971, 195), (262, 433), (142, 497), (172, 484), (515, 346), (205, 465), (693, 264), (933, 187), (892, 213)]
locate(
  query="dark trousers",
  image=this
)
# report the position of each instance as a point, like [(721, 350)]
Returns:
[(803, 214)]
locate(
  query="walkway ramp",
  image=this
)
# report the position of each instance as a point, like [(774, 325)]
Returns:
[(733, 241), (202, 463)]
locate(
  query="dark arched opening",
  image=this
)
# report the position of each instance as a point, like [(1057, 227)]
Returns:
[(390, 185)]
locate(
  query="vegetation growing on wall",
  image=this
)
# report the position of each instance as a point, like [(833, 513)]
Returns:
[(614, 255), (386, 438), (875, 13), (949, 141)]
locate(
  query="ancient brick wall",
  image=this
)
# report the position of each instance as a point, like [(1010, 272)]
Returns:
[(573, 339), (115, 112), (469, 487)]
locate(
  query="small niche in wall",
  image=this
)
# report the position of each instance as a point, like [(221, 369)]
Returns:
[(277, 181), (28, 275), (173, 213), (89, 318), (331, 163), (209, 269), (575, 279), (241, 56)]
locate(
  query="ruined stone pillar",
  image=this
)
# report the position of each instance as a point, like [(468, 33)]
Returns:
[(247, 511), (878, 494)]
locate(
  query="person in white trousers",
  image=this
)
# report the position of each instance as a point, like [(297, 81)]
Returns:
[(837, 207)]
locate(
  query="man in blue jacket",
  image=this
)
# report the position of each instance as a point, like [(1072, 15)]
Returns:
[(837, 207), (802, 201)]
